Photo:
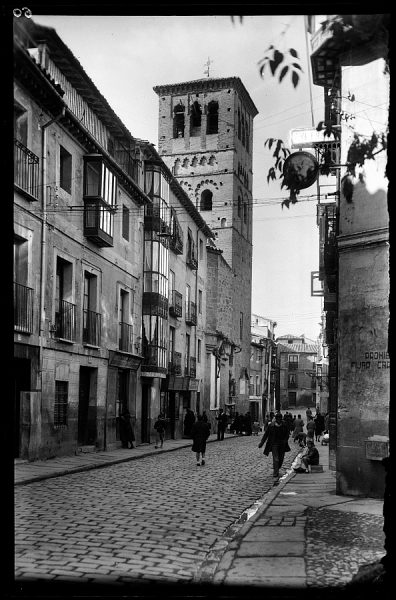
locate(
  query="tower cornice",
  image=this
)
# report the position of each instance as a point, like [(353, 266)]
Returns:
[(208, 84)]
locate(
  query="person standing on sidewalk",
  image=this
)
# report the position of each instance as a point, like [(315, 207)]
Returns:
[(298, 427), (159, 427), (200, 432), (221, 424), (189, 420), (319, 425), (126, 431), (276, 436)]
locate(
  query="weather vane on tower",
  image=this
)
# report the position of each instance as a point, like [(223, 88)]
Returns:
[(207, 64)]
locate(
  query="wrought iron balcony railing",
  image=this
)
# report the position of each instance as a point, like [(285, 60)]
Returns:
[(23, 308), (26, 170), (191, 313), (193, 367), (175, 364), (125, 337), (176, 304), (92, 326), (65, 321)]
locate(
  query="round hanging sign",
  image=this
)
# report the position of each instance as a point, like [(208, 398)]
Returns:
[(300, 170)]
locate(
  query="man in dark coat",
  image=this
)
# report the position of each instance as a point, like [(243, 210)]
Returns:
[(126, 431), (276, 435), (221, 424), (200, 432), (189, 421)]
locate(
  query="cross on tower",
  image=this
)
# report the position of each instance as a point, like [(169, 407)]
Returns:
[(207, 64)]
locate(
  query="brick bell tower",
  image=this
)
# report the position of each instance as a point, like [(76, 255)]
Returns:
[(205, 136)]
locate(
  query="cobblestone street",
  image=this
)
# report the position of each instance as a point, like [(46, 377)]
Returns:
[(150, 519)]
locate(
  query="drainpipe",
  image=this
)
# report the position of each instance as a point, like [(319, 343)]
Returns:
[(44, 223)]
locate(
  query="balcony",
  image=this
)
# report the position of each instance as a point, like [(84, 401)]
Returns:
[(175, 364), (26, 170), (92, 326), (176, 243), (125, 337), (192, 371), (293, 366), (191, 313), (192, 260), (98, 222), (154, 221), (155, 304), (65, 321), (23, 308), (176, 304)]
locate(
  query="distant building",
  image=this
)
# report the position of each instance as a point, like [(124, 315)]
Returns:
[(297, 358), (262, 373)]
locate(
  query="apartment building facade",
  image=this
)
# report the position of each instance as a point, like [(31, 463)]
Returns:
[(262, 363), (357, 250), (99, 224)]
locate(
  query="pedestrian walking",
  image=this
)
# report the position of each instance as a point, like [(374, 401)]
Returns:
[(276, 436), (298, 427), (189, 420), (319, 425), (126, 430), (311, 428), (221, 419), (200, 432), (234, 427), (159, 427), (308, 413), (311, 457)]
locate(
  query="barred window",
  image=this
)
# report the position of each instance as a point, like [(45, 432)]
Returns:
[(60, 408)]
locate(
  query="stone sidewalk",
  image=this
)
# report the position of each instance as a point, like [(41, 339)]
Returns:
[(303, 537)]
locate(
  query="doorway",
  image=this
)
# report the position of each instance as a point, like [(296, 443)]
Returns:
[(22, 368), (86, 434)]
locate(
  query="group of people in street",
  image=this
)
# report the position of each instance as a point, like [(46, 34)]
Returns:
[(242, 424), (279, 428)]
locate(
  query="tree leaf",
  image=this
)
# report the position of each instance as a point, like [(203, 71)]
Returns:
[(295, 78), (283, 73), (297, 66), (293, 52)]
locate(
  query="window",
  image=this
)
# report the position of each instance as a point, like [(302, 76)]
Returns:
[(199, 349), (187, 356), (125, 328), (65, 172), (223, 222), (171, 283), (212, 123), (23, 295), (206, 200), (293, 362), (125, 223), (178, 121), (21, 124), (60, 406), (292, 380), (240, 325), (91, 319), (172, 337), (195, 119), (65, 311), (200, 302)]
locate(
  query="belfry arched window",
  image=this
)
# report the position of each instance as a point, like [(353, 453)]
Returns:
[(178, 121), (195, 119), (206, 200), (212, 124)]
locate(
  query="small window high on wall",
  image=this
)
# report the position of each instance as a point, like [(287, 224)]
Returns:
[(206, 200), (212, 125), (178, 121)]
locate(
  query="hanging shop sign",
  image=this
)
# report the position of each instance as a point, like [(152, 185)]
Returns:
[(300, 171), (307, 137)]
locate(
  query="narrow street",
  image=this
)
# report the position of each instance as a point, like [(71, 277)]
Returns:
[(150, 519)]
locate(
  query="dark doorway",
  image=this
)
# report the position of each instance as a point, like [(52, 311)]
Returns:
[(22, 368), (146, 395), (86, 408), (172, 414), (292, 399)]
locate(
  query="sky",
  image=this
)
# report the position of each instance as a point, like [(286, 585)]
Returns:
[(136, 53)]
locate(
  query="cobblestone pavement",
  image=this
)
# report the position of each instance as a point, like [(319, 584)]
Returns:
[(338, 543), (152, 519)]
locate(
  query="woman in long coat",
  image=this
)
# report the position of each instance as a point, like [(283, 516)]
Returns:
[(200, 432)]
